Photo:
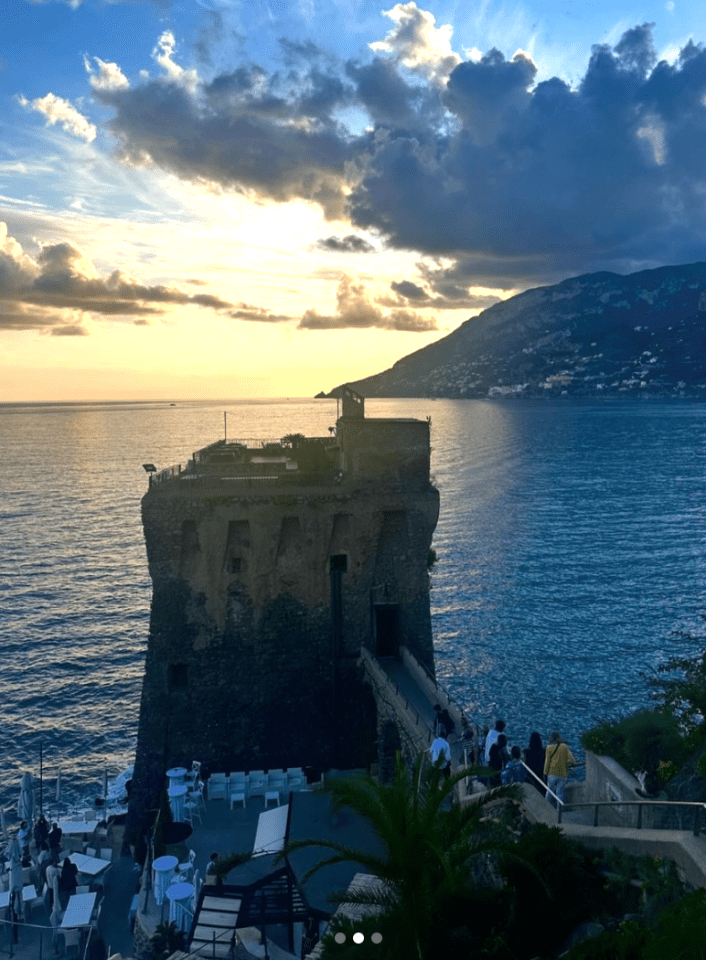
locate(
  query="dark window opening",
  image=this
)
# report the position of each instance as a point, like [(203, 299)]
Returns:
[(177, 676), (338, 563), (235, 565), (387, 630)]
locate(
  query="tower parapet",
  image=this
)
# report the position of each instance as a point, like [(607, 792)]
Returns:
[(272, 564)]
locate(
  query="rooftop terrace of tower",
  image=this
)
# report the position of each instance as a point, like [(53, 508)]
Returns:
[(357, 450)]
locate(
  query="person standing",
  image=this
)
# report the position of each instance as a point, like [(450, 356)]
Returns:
[(443, 719), (53, 874), (498, 758), (441, 753), (557, 761), (493, 738), (534, 758), (54, 838)]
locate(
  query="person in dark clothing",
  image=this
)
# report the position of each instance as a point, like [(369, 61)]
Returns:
[(498, 758), (54, 837), (534, 758), (68, 881), (41, 831), (443, 719)]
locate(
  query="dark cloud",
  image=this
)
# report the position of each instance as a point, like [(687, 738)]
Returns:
[(356, 310), (246, 311), (348, 244), (409, 290), (243, 129), (516, 182), (69, 330), (531, 184), (47, 291), (444, 292)]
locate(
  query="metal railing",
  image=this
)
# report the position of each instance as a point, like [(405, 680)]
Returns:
[(468, 721), (670, 814)]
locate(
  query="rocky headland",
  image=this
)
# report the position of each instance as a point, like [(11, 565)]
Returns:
[(596, 335)]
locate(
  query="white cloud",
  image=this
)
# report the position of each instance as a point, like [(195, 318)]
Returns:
[(417, 43), (109, 76), (162, 54), (58, 110)]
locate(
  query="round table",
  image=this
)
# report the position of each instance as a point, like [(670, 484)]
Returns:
[(176, 795), (180, 897), (176, 775), (163, 871)]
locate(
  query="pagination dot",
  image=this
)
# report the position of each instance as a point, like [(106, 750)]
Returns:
[(340, 937), (376, 937), (358, 937)]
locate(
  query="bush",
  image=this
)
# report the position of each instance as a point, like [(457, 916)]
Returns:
[(550, 876), (680, 933), (647, 740), (625, 943)]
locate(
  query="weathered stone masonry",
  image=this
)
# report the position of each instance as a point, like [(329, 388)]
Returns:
[(264, 591)]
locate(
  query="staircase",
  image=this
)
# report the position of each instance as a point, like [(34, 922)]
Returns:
[(212, 932)]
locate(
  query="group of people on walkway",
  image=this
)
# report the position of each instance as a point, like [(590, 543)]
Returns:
[(549, 766)]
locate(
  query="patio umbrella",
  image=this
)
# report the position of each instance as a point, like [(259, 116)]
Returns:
[(14, 855), (58, 786), (3, 825), (105, 785), (25, 805)]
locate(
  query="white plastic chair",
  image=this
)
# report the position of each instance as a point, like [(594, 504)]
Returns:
[(217, 786)]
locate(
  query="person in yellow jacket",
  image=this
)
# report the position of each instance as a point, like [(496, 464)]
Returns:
[(557, 760)]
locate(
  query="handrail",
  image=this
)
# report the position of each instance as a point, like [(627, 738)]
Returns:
[(641, 804), (465, 721), (560, 803)]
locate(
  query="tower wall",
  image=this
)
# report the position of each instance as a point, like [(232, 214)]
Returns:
[(263, 594)]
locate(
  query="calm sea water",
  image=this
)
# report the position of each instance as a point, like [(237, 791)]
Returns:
[(571, 544)]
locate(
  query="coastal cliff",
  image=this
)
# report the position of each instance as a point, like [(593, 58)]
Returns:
[(597, 335)]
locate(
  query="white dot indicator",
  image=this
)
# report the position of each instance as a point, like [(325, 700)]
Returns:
[(376, 937), (358, 937), (340, 938)]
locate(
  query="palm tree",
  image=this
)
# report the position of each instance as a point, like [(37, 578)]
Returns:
[(428, 848)]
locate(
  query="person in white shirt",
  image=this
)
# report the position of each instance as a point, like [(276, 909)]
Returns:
[(493, 738), (441, 752)]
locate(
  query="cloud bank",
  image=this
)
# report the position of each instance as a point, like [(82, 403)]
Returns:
[(61, 291), (355, 309), (512, 182)]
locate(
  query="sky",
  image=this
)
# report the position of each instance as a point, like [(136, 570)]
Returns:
[(265, 198)]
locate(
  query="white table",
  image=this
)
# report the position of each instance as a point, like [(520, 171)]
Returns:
[(91, 866), (177, 794), (163, 871), (79, 910), (176, 776), (77, 827), (180, 896), (28, 893)]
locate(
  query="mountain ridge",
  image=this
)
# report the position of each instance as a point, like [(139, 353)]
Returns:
[(597, 334)]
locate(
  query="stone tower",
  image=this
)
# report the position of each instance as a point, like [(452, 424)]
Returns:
[(272, 565)]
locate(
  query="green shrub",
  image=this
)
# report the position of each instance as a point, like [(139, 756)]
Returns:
[(646, 740), (550, 875), (627, 942), (680, 933), (606, 739)]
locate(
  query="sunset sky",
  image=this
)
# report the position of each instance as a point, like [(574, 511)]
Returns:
[(265, 198)]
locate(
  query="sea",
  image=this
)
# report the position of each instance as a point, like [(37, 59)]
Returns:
[(571, 551)]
